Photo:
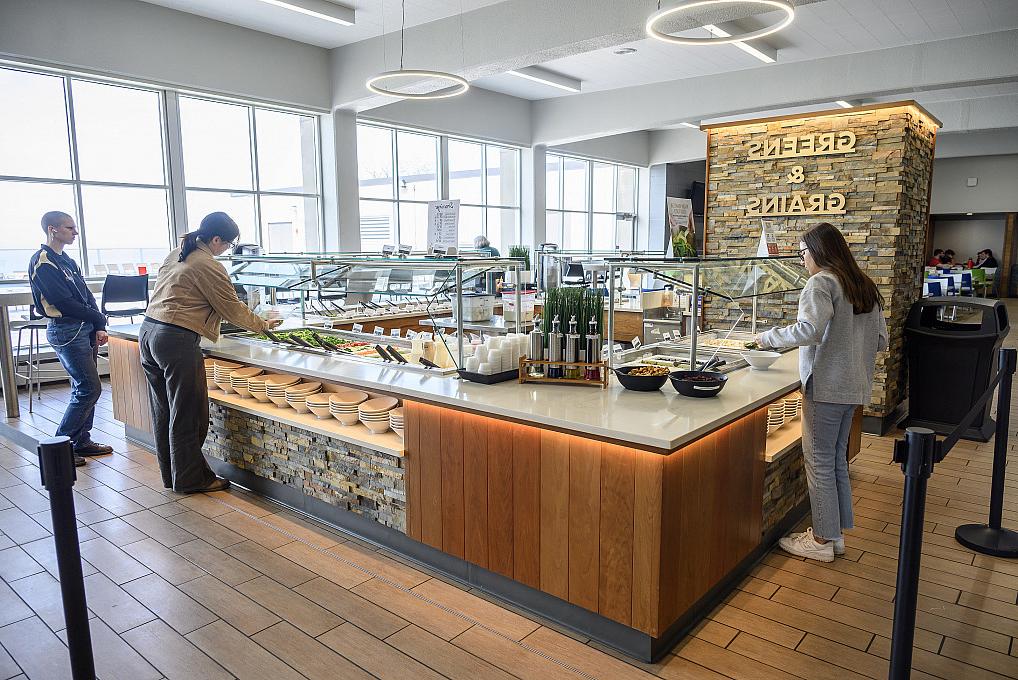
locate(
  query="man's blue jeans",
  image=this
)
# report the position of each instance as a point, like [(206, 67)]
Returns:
[(73, 343)]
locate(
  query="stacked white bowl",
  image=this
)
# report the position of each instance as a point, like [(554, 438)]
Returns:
[(210, 374), (374, 413), (256, 386), (239, 380), (221, 374), (396, 421), (276, 386), (296, 396), (318, 404), (344, 406)]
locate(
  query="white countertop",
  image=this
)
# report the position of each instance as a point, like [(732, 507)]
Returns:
[(663, 420)]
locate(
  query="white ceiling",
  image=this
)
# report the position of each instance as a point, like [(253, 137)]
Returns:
[(822, 29), (260, 16)]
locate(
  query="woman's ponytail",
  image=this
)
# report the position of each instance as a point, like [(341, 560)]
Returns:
[(215, 224), (189, 244)]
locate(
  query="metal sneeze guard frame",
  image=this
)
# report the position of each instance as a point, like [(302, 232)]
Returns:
[(698, 276)]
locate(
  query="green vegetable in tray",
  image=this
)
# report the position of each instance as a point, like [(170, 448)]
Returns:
[(752, 345)]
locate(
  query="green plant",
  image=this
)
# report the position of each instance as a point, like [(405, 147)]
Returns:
[(583, 303), (521, 251)]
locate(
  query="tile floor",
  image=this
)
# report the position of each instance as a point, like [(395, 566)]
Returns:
[(229, 585)]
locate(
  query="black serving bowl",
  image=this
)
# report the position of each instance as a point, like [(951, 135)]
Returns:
[(640, 383), (698, 388)]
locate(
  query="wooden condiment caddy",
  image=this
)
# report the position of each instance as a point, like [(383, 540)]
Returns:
[(525, 376)]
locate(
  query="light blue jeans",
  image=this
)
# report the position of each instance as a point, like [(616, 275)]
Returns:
[(825, 431)]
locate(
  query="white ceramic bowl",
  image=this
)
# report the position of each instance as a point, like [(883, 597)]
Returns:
[(299, 406), (760, 359), (377, 426), (321, 412), (347, 418)]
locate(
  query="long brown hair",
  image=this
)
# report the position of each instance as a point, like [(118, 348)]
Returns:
[(830, 251)]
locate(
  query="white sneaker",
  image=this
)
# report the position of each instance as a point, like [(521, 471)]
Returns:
[(804, 545)]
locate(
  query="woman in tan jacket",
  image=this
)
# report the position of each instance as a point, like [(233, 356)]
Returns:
[(193, 294)]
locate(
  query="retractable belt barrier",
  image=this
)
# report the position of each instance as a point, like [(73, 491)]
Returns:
[(917, 453), (56, 464)]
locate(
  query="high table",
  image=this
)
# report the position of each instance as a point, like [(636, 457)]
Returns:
[(21, 296)]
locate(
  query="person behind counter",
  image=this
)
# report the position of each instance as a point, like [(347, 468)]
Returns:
[(482, 244), (840, 328), (935, 260), (193, 294), (75, 330)]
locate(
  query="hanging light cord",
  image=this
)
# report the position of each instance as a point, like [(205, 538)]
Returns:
[(402, 29)]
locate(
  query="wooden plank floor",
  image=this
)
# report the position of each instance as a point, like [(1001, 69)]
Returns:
[(216, 586)]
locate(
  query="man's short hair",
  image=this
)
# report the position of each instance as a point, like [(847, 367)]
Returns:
[(54, 218)]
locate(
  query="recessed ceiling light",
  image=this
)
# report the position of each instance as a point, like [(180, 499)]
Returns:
[(968, 213), (745, 47), (546, 77), (843, 104), (625, 50), (320, 9)]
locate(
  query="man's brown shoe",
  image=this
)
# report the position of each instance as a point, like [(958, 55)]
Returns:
[(93, 449)]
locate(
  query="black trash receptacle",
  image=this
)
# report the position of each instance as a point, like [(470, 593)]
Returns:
[(952, 348)]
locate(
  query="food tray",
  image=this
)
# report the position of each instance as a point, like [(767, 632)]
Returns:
[(488, 379)]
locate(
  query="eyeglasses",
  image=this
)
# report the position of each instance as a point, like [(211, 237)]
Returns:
[(802, 253)]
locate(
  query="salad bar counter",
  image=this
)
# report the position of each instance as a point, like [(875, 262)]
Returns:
[(625, 513)]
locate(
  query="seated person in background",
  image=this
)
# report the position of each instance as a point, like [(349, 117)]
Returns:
[(947, 259), (935, 260), (986, 260)]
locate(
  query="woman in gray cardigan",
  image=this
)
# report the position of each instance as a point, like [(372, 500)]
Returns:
[(840, 328)]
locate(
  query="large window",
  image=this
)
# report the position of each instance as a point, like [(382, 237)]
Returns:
[(259, 166), (486, 180), (98, 151), (401, 170), (590, 205), (93, 150)]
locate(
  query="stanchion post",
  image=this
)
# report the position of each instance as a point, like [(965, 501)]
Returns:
[(56, 463), (992, 538), (916, 455)]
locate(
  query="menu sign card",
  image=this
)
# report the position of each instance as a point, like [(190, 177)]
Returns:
[(443, 223)]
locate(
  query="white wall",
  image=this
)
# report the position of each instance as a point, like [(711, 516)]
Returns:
[(632, 148), (148, 42), (677, 146), (479, 113), (966, 237), (996, 189)]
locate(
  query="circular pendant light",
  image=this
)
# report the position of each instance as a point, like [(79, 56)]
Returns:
[(457, 85), (765, 5)]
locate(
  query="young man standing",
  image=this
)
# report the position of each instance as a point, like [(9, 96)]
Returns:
[(76, 328)]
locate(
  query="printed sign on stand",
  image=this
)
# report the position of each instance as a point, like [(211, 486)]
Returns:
[(768, 246), (443, 223), (681, 229)]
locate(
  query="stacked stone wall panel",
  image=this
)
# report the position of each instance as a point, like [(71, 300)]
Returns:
[(885, 181)]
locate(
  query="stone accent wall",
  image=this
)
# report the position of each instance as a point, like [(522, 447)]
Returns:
[(354, 478), (885, 181), (784, 487)]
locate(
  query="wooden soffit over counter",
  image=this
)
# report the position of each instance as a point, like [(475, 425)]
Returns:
[(906, 104)]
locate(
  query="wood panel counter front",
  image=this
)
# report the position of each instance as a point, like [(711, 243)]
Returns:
[(637, 537)]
